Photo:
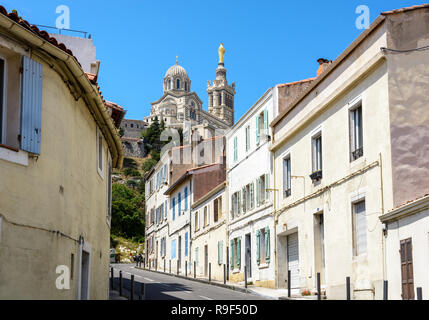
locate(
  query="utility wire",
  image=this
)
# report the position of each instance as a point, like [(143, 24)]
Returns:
[(405, 51)]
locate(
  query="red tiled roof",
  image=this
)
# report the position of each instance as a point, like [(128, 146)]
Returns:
[(92, 77), (425, 5), (296, 82), (41, 33), (409, 202)]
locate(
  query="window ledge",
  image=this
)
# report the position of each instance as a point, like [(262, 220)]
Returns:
[(264, 266), (13, 155), (235, 271)]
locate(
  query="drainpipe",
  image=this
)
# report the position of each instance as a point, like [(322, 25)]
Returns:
[(382, 213), (275, 220)]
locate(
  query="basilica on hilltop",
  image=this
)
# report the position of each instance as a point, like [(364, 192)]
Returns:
[(179, 106)]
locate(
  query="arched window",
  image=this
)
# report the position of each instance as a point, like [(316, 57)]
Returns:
[(169, 84), (178, 84), (186, 86)]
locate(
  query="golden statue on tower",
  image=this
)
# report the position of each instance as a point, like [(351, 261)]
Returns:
[(221, 53)]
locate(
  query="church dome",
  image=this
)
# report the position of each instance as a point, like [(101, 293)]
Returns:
[(175, 71)]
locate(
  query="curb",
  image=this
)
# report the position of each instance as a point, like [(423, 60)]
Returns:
[(227, 286)]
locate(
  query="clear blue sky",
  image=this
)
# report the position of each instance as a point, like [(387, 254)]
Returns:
[(267, 42)]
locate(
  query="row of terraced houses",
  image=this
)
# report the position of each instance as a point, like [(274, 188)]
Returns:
[(325, 176)]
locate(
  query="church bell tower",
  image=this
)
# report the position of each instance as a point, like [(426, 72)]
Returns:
[(221, 95)]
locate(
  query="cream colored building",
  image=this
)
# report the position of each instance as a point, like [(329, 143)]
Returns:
[(209, 222), (58, 146), (346, 151), (407, 247)]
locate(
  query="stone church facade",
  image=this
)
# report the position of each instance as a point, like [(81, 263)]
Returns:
[(179, 105)]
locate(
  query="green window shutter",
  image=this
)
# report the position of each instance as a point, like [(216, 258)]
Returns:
[(231, 255), (257, 130), (239, 252), (232, 207), (267, 244), (239, 203), (252, 195), (267, 186), (258, 249), (266, 122), (243, 199), (258, 192)]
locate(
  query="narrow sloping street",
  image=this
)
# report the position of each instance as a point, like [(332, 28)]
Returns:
[(165, 287)]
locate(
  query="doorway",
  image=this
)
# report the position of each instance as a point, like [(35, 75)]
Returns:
[(84, 271), (248, 248), (293, 259), (319, 247), (407, 269)]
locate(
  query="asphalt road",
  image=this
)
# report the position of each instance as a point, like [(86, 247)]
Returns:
[(165, 287)]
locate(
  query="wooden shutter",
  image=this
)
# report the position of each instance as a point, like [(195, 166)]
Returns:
[(31, 105), (238, 202), (360, 225), (267, 186), (219, 252), (258, 249), (267, 244), (239, 252), (257, 130), (252, 195), (215, 210), (407, 269), (258, 192)]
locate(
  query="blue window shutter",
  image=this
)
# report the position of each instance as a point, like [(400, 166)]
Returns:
[(31, 105), (179, 202), (174, 208), (186, 198)]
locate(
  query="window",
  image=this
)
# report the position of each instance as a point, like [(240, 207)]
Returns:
[(247, 138), (178, 84), (287, 185), (132, 125), (100, 163), (317, 157), (359, 228), (197, 221), (236, 203), (356, 133), (235, 149), (179, 202), (263, 246), (261, 125), (169, 85), (163, 247), (166, 209), (186, 86), (262, 186), (196, 256), (217, 209)]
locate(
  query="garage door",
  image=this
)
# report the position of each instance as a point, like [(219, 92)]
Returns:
[(293, 259)]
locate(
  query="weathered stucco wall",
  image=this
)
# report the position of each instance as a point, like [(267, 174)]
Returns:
[(409, 101), (60, 190)]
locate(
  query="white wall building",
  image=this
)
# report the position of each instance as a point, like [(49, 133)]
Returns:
[(249, 176)]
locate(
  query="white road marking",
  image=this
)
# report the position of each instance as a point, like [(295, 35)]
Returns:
[(148, 279), (205, 298)]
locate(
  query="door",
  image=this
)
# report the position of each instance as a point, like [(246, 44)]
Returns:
[(206, 260), (319, 247), (407, 269), (293, 259), (248, 255), (84, 280)]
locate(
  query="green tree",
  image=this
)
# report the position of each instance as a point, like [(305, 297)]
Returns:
[(127, 209), (148, 164)]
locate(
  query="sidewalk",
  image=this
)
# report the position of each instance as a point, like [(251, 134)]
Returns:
[(274, 294), (114, 295)]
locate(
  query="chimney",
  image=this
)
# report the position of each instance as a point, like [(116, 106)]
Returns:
[(323, 64)]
